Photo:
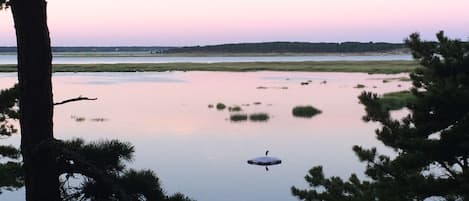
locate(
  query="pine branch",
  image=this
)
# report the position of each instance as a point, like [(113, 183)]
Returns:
[(79, 98), (448, 169)]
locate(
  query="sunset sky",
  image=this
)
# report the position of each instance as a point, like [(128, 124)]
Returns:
[(202, 22)]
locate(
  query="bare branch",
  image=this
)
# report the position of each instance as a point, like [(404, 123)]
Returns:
[(79, 98)]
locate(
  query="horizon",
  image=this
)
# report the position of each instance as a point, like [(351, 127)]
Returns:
[(192, 23)]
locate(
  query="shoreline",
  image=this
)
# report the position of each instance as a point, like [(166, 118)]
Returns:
[(375, 67), (202, 54)]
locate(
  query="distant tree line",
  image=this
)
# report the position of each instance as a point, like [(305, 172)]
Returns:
[(292, 47), (268, 47)]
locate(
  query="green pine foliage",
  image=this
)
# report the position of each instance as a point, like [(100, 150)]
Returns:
[(431, 143), (10, 167), (3, 4), (101, 167)]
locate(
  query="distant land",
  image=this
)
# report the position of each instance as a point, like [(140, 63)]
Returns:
[(293, 47), (245, 48)]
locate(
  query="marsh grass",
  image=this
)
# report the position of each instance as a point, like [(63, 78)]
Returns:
[(307, 111), (259, 117), (220, 106), (359, 86), (385, 67), (405, 79), (396, 100), (238, 117), (235, 108), (401, 79)]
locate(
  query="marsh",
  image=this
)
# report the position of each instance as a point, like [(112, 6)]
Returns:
[(198, 151)]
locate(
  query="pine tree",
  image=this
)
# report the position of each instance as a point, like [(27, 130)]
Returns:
[(99, 166), (45, 159), (10, 167), (431, 143)]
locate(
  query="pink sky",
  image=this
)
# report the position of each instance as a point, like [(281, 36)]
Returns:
[(201, 22)]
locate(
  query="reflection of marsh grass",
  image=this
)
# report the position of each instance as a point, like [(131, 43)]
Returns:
[(77, 118), (396, 100), (220, 106), (259, 117), (98, 119), (238, 117), (263, 87), (210, 105), (82, 119), (305, 111)]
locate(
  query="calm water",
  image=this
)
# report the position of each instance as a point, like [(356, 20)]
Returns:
[(11, 59), (197, 151)]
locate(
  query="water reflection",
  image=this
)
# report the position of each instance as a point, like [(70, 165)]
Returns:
[(165, 116)]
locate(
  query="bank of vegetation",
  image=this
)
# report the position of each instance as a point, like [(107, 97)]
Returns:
[(293, 47), (385, 67), (262, 47), (396, 100)]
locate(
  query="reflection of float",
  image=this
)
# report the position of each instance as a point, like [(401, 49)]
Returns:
[(265, 161)]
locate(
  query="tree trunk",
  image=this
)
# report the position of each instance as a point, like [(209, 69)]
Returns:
[(36, 104)]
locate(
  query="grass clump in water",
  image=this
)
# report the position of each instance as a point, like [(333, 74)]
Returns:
[(259, 117), (238, 117), (405, 79), (401, 79), (359, 86), (235, 108), (220, 106), (396, 100), (307, 111)]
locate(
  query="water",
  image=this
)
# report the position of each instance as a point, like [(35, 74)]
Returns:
[(11, 59), (197, 151)]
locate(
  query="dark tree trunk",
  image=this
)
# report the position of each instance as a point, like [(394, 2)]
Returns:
[(36, 105)]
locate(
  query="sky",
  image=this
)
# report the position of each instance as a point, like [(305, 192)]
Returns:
[(205, 22)]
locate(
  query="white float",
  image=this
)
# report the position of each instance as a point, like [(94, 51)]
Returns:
[(265, 160)]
